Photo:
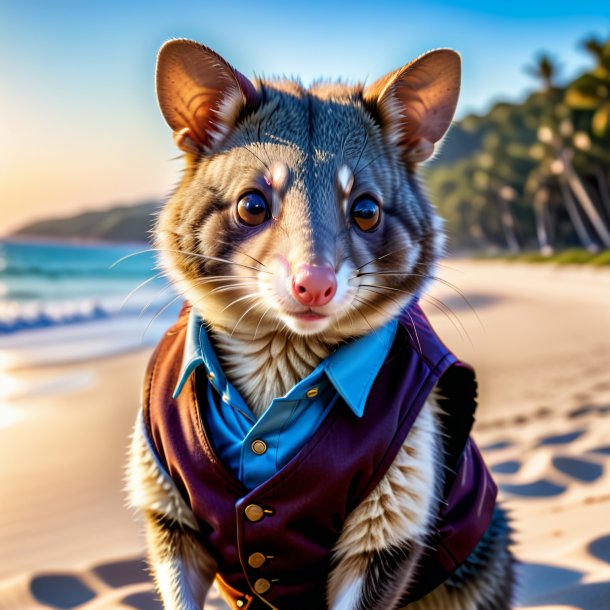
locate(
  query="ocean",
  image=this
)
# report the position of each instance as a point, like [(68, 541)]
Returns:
[(57, 284)]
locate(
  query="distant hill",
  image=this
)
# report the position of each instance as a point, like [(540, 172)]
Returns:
[(117, 223)]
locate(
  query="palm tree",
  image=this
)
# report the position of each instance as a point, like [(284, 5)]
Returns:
[(545, 69), (591, 91), (537, 188), (549, 134), (590, 94)]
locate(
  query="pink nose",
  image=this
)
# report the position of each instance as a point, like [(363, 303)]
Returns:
[(313, 285)]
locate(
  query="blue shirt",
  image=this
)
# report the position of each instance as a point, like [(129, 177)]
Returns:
[(254, 450)]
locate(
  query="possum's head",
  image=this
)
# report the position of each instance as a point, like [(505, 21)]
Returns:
[(300, 208)]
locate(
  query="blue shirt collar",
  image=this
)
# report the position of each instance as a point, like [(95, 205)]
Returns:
[(351, 368)]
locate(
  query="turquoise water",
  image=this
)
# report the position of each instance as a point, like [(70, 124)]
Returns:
[(44, 284)]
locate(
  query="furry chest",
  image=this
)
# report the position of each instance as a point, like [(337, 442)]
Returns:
[(273, 544)]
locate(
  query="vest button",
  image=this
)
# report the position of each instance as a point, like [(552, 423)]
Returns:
[(240, 603), (254, 513), (262, 585), (256, 560), (259, 447)]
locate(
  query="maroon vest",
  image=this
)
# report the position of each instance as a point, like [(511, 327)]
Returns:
[(273, 544)]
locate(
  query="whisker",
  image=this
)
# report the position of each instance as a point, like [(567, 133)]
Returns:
[(356, 308), (369, 163), (164, 308), (124, 258), (201, 282), (414, 329), (254, 154), (160, 292), (212, 279), (378, 258), (238, 300), (226, 243), (259, 300), (411, 244), (438, 304), (366, 141), (368, 287), (430, 277), (343, 143), (351, 320), (139, 286), (229, 287), (261, 319), (194, 254), (384, 312), (449, 314), (412, 323), (260, 142), (219, 259)]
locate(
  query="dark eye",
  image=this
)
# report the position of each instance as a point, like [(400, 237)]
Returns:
[(253, 209), (366, 212)]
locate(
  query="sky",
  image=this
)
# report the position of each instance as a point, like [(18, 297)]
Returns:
[(79, 123)]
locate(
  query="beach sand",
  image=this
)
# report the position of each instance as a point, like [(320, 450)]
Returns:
[(540, 341)]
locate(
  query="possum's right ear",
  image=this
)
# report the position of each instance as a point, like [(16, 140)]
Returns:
[(200, 94)]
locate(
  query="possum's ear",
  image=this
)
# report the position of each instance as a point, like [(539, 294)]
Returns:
[(200, 94), (415, 104)]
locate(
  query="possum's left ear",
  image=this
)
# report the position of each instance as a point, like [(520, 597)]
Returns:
[(416, 103)]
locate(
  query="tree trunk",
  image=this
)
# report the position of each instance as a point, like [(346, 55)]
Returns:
[(577, 223), (602, 187), (585, 201), (508, 226), (540, 201)]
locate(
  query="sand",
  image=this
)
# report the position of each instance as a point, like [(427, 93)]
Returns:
[(540, 341)]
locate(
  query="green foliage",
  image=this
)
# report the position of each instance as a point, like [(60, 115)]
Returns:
[(571, 256), (602, 259), (506, 171)]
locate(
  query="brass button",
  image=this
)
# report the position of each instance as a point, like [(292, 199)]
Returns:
[(240, 603), (262, 585), (211, 376), (259, 447), (312, 393), (254, 512), (256, 560)]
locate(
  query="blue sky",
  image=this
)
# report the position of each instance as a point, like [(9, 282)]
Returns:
[(79, 123)]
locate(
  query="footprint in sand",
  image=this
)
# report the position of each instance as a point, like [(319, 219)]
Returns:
[(65, 591), (588, 410), (497, 446), (561, 439), (508, 467), (109, 586), (600, 548), (146, 600), (538, 579), (122, 573), (579, 469), (60, 590), (603, 450), (584, 468), (536, 489), (549, 586)]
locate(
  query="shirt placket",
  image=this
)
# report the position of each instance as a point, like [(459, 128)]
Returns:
[(261, 444)]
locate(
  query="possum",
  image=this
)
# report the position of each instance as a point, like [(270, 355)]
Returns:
[(300, 226)]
